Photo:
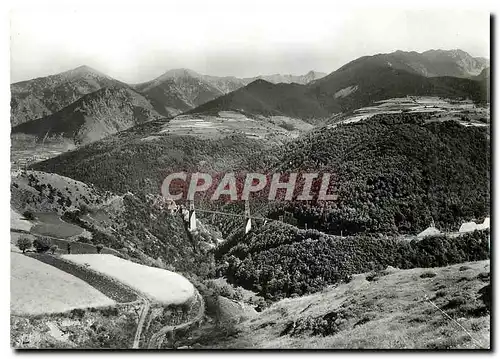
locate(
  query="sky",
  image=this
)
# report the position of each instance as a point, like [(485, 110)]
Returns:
[(138, 43)]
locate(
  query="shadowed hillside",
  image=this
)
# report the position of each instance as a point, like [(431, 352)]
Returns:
[(94, 116), (43, 96)]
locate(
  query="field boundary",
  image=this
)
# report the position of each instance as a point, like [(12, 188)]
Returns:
[(62, 240)]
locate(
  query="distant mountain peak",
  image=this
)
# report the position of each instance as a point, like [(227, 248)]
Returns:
[(181, 72), (260, 82), (83, 70), (42, 96)]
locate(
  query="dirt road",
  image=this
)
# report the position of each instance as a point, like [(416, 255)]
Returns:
[(155, 342)]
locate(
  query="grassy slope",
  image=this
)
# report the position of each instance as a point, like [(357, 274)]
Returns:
[(30, 191), (390, 311)]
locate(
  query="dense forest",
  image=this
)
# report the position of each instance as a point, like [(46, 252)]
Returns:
[(393, 174), (279, 260)]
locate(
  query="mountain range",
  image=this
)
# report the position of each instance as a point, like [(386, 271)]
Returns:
[(73, 104), (43, 96), (94, 116), (180, 90), (360, 83)]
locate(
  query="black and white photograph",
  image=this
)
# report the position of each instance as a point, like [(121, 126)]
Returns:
[(245, 175)]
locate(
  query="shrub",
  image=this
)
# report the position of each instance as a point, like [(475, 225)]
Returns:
[(366, 318), (28, 215), (428, 274), (485, 295), (42, 244), (83, 240), (84, 209), (441, 293), (99, 248), (287, 126), (484, 276), (24, 243), (54, 248), (124, 251), (455, 302)]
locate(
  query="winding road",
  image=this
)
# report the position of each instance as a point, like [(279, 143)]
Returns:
[(155, 342), (142, 319)]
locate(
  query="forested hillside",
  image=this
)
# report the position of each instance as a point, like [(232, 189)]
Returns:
[(394, 173), (279, 260), (128, 162)]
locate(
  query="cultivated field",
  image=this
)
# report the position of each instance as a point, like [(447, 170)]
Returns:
[(437, 108), (158, 284), (38, 288), (274, 128)]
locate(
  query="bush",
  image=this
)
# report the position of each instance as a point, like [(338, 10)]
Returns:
[(125, 252), (484, 276), (83, 240), (99, 248), (42, 244), (54, 248), (28, 215), (455, 302), (428, 274), (24, 243), (287, 126)]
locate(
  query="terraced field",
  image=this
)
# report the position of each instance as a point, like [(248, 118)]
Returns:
[(273, 128), (159, 285), (105, 285), (437, 108), (38, 288)]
